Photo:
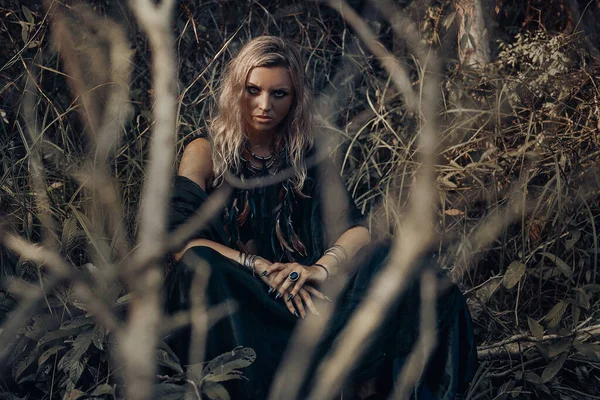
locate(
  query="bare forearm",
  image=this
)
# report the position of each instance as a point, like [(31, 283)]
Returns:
[(351, 241), (224, 250)]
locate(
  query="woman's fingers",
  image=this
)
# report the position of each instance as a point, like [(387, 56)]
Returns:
[(293, 282), (282, 279), (299, 306), (308, 301), (261, 269), (290, 306), (316, 293), (271, 275), (273, 268)]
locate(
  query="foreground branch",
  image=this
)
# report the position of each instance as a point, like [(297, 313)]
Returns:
[(412, 238), (517, 344), (140, 338)]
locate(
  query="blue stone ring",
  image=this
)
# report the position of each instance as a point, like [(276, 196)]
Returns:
[(294, 276)]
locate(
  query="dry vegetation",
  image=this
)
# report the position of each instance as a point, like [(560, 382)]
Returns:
[(516, 184)]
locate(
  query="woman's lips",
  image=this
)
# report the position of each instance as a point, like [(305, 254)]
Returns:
[(262, 119)]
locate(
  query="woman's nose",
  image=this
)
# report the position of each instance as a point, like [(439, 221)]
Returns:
[(264, 102)]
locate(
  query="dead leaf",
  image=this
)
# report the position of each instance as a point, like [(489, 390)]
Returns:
[(535, 328), (513, 274), (453, 212), (560, 264)]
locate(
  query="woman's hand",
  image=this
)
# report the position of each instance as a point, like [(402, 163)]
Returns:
[(294, 294), (289, 281)]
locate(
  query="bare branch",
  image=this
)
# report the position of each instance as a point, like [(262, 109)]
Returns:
[(417, 360), (414, 237), (140, 338), (398, 74)]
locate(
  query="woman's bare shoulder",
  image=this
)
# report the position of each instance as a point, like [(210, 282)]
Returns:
[(196, 162)]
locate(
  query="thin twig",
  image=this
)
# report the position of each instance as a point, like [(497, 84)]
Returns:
[(410, 242), (140, 338)]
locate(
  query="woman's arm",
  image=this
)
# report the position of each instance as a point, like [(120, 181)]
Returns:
[(351, 241), (196, 164)]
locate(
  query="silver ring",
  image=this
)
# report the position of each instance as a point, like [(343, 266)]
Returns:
[(294, 276)]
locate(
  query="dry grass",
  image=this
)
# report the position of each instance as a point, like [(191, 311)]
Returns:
[(498, 168)]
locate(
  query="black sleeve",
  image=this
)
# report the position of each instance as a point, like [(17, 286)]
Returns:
[(186, 199), (338, 209)]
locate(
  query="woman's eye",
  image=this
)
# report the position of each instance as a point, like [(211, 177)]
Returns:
[(252, 90), (279, 93)]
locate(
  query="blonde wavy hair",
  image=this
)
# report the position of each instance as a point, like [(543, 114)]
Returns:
[(227, 129)]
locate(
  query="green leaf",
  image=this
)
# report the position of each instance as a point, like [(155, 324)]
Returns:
[(102, 390), (70, 234), (583, 299), (559, 347), (554, 366), (570, 243), (73, 362), (28, 15), (98, 337), (556, 314), (516, 391), (24, 32), (42, 324), (532, 377), (463, 41), (594, 287), (168, 391), (75, 370), (165, 360), (56, 335), (82, 343), (224, 367), (194, 372), (505, 389), (544, 389), (536, 329), (589, 349), (215, 391), (49, 353), (77, 322), (122, 301), (513, 274), (560, 264), (23, 364)]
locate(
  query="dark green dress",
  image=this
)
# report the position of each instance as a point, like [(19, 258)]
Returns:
[(285, 225)]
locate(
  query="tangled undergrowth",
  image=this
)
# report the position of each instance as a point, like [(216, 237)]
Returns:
[(517, 181)]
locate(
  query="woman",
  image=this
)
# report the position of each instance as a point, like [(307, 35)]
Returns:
[(274, 245)]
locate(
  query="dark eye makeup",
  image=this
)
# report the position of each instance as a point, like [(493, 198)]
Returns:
[(280, 93), (253, 90)]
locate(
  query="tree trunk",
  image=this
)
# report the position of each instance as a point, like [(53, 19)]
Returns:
[(473, 36)]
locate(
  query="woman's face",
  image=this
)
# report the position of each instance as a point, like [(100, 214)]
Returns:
[(268, 97)]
